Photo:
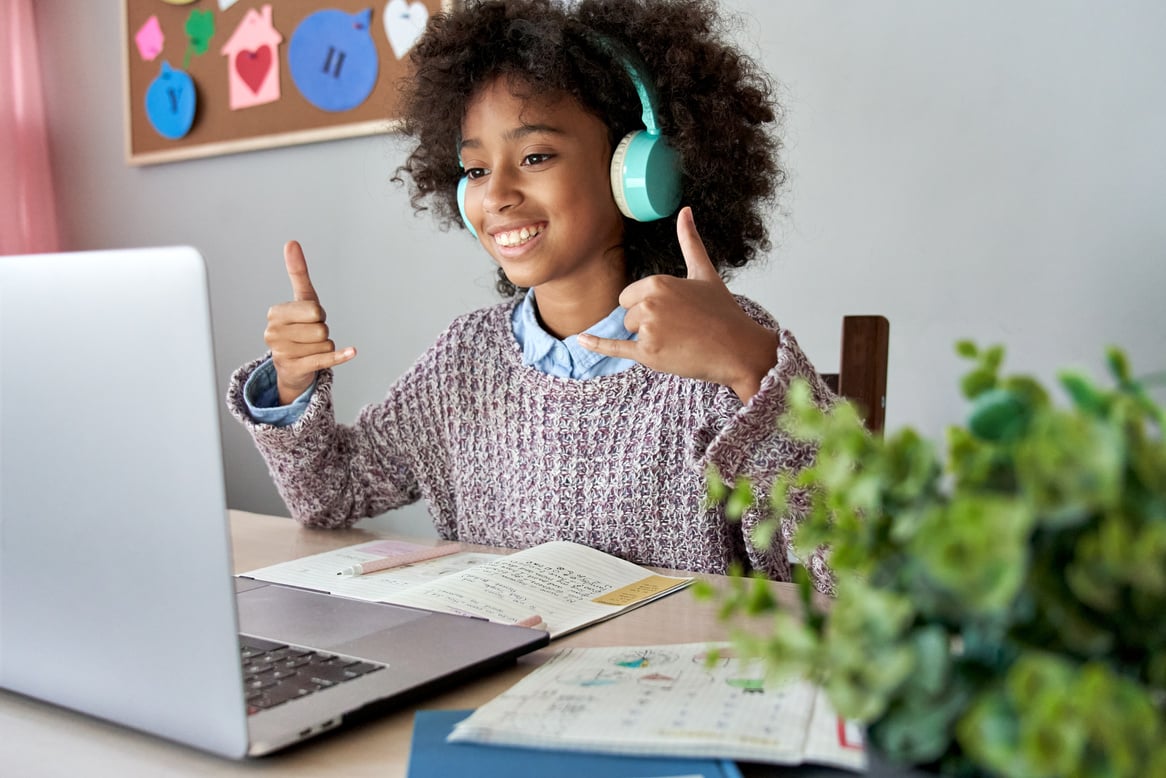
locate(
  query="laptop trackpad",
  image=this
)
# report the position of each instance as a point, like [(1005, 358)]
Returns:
[(313, 619)]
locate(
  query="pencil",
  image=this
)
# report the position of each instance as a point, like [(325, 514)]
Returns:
[(397, 560)]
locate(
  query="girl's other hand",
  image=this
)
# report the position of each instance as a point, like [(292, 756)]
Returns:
[(692, 327), (297, 332)]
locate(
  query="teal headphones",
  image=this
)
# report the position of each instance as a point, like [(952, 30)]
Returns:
[(645, 169)]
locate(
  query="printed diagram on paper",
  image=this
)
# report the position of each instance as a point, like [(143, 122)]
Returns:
[(666, 700)]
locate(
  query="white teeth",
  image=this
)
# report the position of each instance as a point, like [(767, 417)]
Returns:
[(517, 237)]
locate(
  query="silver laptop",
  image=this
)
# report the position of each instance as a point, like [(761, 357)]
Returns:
[(116, 591)]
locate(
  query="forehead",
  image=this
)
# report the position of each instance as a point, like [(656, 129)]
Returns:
[(508, 103)]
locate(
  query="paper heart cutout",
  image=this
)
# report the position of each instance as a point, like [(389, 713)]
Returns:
[(404, 23), (252, 66)]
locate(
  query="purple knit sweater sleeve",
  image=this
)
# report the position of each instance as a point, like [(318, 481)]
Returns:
[(506, 455)]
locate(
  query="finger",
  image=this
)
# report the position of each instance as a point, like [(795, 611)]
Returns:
[(314, 362), (638, 292), (623, 349), (301, 312), (297, 271), (635, 293), (306, 334), (696, 258), (336, 357), (290, 349)]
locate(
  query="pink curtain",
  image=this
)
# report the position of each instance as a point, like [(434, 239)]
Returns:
[(28, 218)]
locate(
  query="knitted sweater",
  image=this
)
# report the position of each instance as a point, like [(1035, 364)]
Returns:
[(506, 455)]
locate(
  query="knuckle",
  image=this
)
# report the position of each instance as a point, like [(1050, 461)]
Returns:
[(649, 347), (649, 308), (653, 285)]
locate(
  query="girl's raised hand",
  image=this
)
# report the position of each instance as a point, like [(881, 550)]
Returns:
[(297, 332), (692, 327)]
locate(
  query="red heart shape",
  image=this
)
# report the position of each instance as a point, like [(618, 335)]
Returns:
[(252, 66)]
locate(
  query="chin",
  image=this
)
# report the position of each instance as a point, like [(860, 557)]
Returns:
[(520, 279)]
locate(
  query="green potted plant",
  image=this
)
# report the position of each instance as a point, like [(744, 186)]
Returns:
[(1001, 606)]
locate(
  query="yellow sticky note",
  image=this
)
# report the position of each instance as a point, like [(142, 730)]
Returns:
[(640, 590)]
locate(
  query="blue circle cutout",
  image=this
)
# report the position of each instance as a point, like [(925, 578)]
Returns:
[(333, 59)]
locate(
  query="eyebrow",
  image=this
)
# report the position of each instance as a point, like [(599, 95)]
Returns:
[(517, 133)]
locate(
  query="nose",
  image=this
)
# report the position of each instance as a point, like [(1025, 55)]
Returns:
[(502, 191)]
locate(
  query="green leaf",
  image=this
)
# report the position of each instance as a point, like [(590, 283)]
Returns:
[(976, 548), (912, 734), (718, 490), (999, 414), (740, 500), (977, 382), (1119, 365), (1084, 394), (966, 349), (990, 733), (1071, 467)]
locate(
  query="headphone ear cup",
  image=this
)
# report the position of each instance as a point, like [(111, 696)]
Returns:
[(645, 176), (461, 205)]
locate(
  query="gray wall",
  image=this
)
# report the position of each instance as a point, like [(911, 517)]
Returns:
[(988, 170)]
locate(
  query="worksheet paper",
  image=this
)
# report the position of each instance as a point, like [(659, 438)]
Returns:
[(666, 700)]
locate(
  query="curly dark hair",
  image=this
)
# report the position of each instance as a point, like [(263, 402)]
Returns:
[(714, 103)]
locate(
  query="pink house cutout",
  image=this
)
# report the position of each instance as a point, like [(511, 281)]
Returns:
[(253, 60)]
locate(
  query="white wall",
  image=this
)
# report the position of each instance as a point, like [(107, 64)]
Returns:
[(987, 170)]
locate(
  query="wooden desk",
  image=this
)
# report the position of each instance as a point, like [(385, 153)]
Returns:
[(43, 740)]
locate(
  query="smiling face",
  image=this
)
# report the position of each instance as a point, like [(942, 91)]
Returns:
[(539, 195)]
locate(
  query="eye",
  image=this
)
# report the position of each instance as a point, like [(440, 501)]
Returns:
[(531, 160), (475, 173)]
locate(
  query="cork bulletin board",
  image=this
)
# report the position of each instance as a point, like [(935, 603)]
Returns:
[(206, 77)]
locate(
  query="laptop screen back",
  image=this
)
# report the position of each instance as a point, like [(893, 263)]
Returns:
[(116, 596)]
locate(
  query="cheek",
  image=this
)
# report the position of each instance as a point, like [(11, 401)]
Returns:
[(602, 213)]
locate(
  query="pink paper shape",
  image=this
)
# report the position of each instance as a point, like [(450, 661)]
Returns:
[(150, 39), (252, 65)]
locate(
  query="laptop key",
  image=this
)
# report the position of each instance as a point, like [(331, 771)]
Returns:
[(358, 668), (259, 644)]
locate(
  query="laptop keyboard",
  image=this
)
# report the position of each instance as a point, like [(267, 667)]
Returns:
[(274, 673)]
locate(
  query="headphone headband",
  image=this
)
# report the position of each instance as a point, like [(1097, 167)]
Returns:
[(634, 67)]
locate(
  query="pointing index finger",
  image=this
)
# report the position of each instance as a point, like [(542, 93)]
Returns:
[(297, 272), (622, 349)]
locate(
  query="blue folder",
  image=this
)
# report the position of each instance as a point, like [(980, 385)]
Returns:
[(432, 757)]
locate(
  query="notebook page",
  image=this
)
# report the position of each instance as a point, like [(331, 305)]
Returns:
[(319, 571), (568, 585)]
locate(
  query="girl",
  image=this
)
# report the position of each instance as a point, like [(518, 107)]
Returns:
[(590, 404)]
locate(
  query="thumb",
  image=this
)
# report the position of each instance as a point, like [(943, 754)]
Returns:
[(696, 259), (297, 271)]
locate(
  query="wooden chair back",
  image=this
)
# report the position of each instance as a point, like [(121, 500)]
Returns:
[(862, 368)]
